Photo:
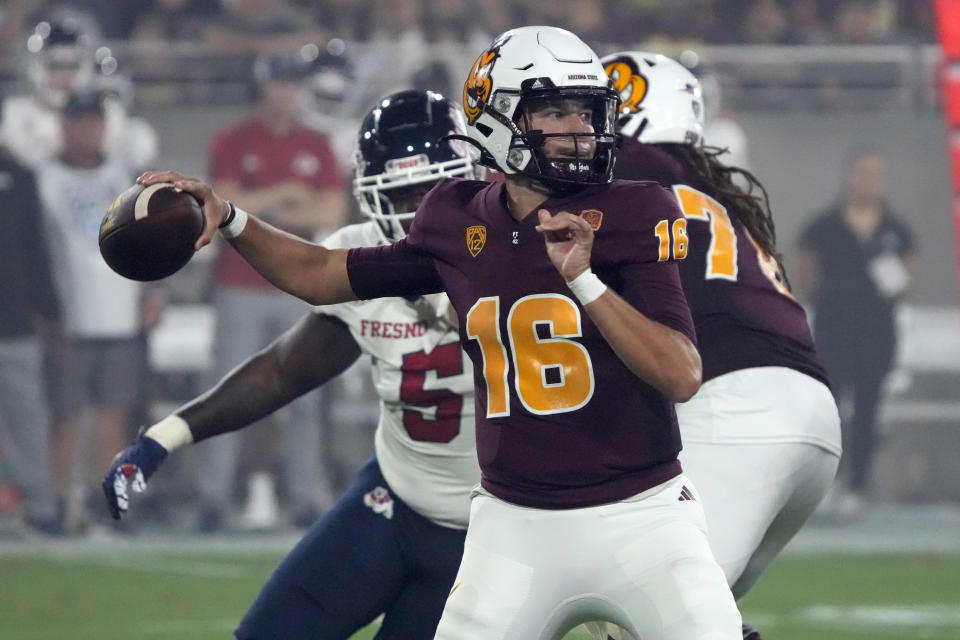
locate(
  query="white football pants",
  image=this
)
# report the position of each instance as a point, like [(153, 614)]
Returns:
[(644, 563)]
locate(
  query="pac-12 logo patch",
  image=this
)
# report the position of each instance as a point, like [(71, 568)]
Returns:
[(476, 238), (380, 501), (594, 218)]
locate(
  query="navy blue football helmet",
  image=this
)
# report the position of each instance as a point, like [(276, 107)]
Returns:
[(400, 155)]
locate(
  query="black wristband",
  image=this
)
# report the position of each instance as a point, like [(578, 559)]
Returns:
[(230, 216)]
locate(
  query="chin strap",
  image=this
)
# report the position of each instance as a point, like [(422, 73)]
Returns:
[(486, 159)]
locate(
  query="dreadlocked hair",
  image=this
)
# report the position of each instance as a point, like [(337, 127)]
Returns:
[(751, 207)]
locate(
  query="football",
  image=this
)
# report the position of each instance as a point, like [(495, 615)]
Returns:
[(148, 233)]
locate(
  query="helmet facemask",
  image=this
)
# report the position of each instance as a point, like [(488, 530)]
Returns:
[(566, 161), (391, 198)]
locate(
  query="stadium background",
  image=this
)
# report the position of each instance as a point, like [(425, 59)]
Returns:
[(807, 81)]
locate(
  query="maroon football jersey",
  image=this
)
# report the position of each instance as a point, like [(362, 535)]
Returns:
[(561, 421), (744, 314)]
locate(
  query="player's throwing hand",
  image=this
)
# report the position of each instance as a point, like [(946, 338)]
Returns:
[(215, 208)]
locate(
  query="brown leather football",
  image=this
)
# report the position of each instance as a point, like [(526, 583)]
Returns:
[(148, 233)]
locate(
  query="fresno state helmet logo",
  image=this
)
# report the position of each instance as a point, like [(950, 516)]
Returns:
[(476, 91), (629, 83), (476, 238)]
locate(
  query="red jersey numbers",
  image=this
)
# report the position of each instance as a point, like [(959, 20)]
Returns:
[(721, 256), (551, 372), (446, 360)]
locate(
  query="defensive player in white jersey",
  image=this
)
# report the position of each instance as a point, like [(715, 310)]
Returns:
[(63, 60), (392, 544)]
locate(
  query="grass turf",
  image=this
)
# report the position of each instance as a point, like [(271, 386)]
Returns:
[(192, 596)]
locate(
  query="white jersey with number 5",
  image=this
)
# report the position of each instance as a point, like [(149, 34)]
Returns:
[(425, 438)]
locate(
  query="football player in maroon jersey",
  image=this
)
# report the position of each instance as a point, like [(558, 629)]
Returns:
[(761, 438), (570, 306)]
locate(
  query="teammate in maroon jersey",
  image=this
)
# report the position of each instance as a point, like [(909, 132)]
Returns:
[(761, 437), (583, 511)]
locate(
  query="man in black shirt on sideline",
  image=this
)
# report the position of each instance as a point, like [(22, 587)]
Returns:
[(30, 310)]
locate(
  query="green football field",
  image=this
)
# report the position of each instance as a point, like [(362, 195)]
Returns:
[(193, 595)]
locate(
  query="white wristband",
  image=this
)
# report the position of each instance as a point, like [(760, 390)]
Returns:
[(236, 225), (587, 287), (171, 433)]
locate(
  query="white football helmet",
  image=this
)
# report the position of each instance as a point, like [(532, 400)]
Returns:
[(661, 100), (532, 63)]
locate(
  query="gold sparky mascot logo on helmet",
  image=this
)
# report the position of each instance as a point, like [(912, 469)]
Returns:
[(476, 91), (629, 83)]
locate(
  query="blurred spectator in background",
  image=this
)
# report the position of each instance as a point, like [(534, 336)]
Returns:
[(255, 25), (288, 175), (345, 19), (262, 25), (854, 266), (864, 22), (764, 22), (30, 311), (453, 22), (105, 316), (807, 24), (915, 21), (397, 48), (64, 58), (586, 19), (176, 20), (499, 15), (330, 98)]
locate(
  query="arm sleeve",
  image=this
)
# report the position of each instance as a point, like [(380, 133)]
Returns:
[(654, 289), (648, 282), (392, 270)]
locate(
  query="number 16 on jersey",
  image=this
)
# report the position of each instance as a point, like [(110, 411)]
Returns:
[(673, 239)]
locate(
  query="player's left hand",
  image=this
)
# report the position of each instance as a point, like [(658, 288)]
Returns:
[(569, 241), (131, 467), (215, 208)]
